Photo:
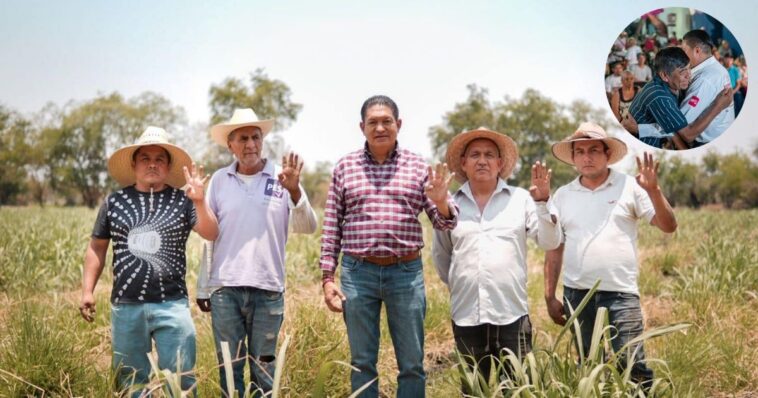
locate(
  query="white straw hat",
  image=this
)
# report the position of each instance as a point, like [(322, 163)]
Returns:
[(505, 144), (241, 118), (588, 131), (120, 163)]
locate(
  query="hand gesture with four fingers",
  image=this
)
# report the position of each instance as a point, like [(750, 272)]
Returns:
[(195, 179), (540, 189), (647, 175), (439, 180), (292, 165)]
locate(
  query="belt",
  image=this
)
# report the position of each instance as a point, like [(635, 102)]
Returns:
[(385, 261)]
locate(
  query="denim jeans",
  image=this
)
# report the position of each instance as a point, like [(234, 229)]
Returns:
[(134, 326), (624, 314), (401, 288), (248, 319), (479, 344)]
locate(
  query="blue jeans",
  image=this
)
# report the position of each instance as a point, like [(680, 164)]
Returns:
[(134, 326), (401, 288), (248, 319), (624, 314)]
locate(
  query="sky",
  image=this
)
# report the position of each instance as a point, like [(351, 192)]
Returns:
[(333, 55)]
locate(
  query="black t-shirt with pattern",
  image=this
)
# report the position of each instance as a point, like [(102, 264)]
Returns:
[(149, 263)]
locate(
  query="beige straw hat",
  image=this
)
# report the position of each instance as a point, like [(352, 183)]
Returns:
[(457, 146), (120, 163), (241, 118), (588, 131)]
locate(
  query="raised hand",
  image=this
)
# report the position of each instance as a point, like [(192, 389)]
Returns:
[(195, 179), (439, 180), (647, 175), (292, 165), (540, 189)]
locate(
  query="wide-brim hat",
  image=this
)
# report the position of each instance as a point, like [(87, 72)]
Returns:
[(241, 118), (589, 131), (457, 146), (120, 163)]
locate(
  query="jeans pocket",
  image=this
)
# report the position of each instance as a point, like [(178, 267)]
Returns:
[(412, 266), (349, 263), (272, 295)]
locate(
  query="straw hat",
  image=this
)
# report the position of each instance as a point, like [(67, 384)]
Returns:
[(588, 131), (120, 163), (241, 118), (505, 144)]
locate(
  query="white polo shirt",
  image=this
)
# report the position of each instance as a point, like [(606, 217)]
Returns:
[(707, 81), (600, 232), (483, 260)]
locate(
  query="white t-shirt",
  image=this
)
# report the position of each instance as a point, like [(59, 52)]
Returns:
[(600, 232), (632, 53), (641, 73), (612, 82)]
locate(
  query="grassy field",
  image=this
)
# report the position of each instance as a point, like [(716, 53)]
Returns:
[(706, 274)]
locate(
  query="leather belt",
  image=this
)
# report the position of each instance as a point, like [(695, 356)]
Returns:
[(385, 261)]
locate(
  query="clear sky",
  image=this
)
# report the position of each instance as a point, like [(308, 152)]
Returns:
[(333, 55)]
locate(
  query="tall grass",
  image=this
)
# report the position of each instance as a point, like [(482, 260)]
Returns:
[(704, 274)]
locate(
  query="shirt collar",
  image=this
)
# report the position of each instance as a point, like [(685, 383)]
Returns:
[(268, 168), (575, 185), (393, 155), (465, 189), (709, 61)]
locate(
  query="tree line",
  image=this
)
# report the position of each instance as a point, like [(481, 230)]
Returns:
[(59, 154)]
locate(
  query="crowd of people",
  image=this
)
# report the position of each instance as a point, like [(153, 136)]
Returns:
[(634, 62)]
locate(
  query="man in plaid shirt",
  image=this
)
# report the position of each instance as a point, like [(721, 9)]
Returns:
[(372, 208)]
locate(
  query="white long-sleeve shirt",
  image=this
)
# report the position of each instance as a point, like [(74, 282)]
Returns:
[(483, 260)]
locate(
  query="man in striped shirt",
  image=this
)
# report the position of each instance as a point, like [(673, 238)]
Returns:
[(371, 216), (658, 102)]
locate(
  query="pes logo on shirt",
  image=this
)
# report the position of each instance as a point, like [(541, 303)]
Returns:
[(693, 101), (273, 188)]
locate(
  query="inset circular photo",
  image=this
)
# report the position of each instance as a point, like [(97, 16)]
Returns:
[(676, 78)]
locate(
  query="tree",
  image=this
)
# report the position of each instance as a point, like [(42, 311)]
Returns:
[(14, 151), (315, 181), (85, 134), (736, 180), (682, 182), (533, 121), (270, 98)]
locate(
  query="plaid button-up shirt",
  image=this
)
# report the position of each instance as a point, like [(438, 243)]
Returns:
[(372, 209)]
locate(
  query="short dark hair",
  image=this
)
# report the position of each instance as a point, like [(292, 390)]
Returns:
[(699, 38), (134, 154), (382, 100), (670, 59)]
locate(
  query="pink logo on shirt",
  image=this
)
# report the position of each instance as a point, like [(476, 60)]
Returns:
[(693, 101)]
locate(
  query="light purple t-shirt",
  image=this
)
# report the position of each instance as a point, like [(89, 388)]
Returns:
[(253, 220)]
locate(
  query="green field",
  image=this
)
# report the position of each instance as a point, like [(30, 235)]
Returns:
[(706, 274)]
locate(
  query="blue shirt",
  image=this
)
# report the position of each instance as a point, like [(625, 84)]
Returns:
[(655, 103)]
